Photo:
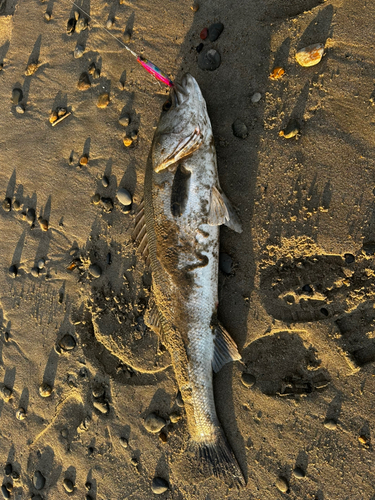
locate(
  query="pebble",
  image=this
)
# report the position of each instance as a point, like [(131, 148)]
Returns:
[(68, 485), (76, 15), (109, 24), (78, 51), (239, 129), (39, 480), (96, 73), (41, 263), (20, 109), (83, 160), (67, 343), (70, 26), (277, 73), (311, 55), (92, 68), (124, 120), (43, 223), (61, 112), (47, 16), (153, 423), (179, 400), (204, 34), (7, 204), (330, 424), (127, 142), (53, 117), (195, 7), (282, 484), (31, 68), (124, 442), (30, 216), (199, 48), (214, 31), (81, 24), (299, 473), (17, 96), (107, 204), (105, 181), (95, 270), (103, 100), (102, 407), (98, 391), (16, 205), (159, 485), (84, 82), (5, 492), (349, 258), (13, 271), (163, 437), (20, 414), (225, 263), (248, 379), (174, 417), (209, 60), (35, 272), (6, 393), (8, 469), (95, 199), (363, 439), (124, 197), (45, 390), (256, 97), (291, 130), (127, 36)]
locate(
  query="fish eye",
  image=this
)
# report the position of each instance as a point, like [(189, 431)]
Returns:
[(167, 105)]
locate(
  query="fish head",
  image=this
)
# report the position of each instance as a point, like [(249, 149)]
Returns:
[(183, 128)]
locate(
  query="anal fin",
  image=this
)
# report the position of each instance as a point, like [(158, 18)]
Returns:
[(222, 212), (225, 349)]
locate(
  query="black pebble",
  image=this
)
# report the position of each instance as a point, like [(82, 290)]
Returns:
[(39, 480), (5, 492), (209, 59), (17, 96), (349, 258), (239, 129), (307, 289), (8, 469), (225, 263), (214, 31), (199, 48), (159, 485), (71, 26), (324, 311)]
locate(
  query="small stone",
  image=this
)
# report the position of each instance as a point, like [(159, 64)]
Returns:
[(124, 442), (214, 31), (95, 199), (363, 439), (107, 204), (101, 407), (124, 120), (225, 263), (39, 480), (127, 141), (199, 48), (70, 26), (126, 36), (204, 34), (209, 60), (195, 7), (45, 390), (47, 16), (103, 100), (17, 96), (92, 68), (20, 414), (61, 112), (30, 216), (291, 130), (6, 393), (5, 492), (174, 417), (20, 109), (248, 379), (41, 263), (124, 197), (81, 24), (349, 258), (95, 270), (31, 68), (311, 55), (16, 205), (43, 223), (105, 181), (78, 51), (84, 82), (13, 271), (8, 469), (256, 97), (83, 160), (153, 423), (68, 485), (96, 73), (53, 117), (7, 204), (109, 24), (299, 473), (98, 391), (133, 135), (330, 424), (67, 343), (239, 129), (282, 484), (277, 73), (35, 272), (159, 485)]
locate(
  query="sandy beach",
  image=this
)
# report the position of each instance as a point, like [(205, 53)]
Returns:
[(80, 371)]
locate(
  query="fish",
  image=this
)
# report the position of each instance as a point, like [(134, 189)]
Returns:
[(177, 232)]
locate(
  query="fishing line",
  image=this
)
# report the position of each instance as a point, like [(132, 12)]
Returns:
[(145, 63)]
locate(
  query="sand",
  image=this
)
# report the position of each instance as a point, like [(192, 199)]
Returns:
[(300, 309)]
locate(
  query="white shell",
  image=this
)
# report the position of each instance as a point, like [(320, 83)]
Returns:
[(311, 55)]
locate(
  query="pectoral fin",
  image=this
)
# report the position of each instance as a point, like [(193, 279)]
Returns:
[(185, 147), (225, 349), (222, 212)]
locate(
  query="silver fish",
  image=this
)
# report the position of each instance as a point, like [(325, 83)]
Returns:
[(177, 231)]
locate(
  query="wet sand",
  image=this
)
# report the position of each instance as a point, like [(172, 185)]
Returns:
[(299, 300)]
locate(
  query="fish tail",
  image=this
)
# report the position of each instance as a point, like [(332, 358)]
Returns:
[(216, 458)]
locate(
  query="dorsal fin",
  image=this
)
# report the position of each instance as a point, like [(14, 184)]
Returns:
[(225, 349)]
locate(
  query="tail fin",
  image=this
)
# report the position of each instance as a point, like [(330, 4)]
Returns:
[(217, 458)]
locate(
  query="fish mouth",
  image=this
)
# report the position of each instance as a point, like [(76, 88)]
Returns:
[(179, 94)]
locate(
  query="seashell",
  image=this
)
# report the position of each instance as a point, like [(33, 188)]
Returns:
[(96, 73), (81, 25), (127, 141), (277, 73), (92, 68), (61, 112), (84, 82), (53, 116), (291, 130), (83, 160), (103, 100), (311, 55), (31, 68), (78, 51)]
